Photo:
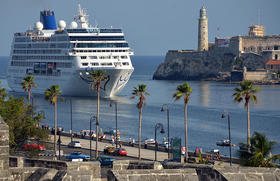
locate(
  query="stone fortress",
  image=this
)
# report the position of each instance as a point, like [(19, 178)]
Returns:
[(225, 58)]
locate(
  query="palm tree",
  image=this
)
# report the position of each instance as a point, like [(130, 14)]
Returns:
[(140, 92), (246, 92), (51, 95), (184, 90), (96, 77), (261, 152), (27, 84)]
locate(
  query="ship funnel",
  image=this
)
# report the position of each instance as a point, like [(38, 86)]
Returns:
[(48, 20)]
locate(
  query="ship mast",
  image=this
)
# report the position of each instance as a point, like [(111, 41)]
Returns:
[(82, 17)]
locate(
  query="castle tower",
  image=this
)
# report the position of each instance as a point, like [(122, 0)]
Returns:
[(203, 30)]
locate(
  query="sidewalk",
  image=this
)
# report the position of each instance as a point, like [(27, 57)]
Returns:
[(131, 151)]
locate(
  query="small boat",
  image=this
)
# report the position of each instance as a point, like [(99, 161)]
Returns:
[(223, 143)]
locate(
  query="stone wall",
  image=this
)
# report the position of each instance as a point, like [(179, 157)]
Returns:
[(4, 150), (200, 172)]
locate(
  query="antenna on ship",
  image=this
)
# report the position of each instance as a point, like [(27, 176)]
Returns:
[(82, 17), (259, 17)]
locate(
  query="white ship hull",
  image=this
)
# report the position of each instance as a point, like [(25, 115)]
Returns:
[(76, 84)]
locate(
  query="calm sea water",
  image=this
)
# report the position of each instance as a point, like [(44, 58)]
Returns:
[(205, 125)]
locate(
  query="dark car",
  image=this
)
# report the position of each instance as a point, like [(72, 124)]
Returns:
[(77, 155), (105, 160)]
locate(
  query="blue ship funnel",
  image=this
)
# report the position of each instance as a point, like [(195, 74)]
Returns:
[(48, 20)]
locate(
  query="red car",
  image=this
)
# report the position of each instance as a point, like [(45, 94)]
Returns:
[(33, 147), (120, 152)]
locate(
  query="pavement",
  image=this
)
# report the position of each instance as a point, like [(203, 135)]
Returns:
[(131, 151)]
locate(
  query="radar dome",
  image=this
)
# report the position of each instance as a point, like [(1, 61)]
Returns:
[(39, 26), (73, 25), (61, 24)]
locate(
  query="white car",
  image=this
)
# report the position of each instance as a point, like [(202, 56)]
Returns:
[(74, 144), (150, 141)]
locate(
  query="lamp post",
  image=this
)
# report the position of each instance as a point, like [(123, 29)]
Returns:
[(116, 115), (59, 141), (167, 111), (93, 118), (158, 125), (229, 137), (71, 127)]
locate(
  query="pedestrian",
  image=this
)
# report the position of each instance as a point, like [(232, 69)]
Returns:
[(196, 151), (113, 140), (200, 150), (120, 144)]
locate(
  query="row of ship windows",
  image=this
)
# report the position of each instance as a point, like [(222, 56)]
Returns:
[(42, 58), (76, 45), (104, 63), (86, 51), (100, 45), (37, 51), (104, 57), (72, 38), (42, 65), (42, 45)]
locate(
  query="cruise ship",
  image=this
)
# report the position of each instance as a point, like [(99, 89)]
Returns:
[(54, 54)]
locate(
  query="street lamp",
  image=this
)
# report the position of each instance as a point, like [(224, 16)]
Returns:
[(223, 116), (167, 110), (93, 118), (158, 125), (59, 141), (116, 113), (71, 127)]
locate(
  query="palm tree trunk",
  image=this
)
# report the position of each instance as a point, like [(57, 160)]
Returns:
[(139, 134), (97, 123), (186, 135), (29, 95), (55, 128), (248, 127)]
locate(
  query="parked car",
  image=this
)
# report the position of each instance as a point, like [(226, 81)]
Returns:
[(150, 141), (77, 155), (109, 149), (33, 146), (74, 144), (120, 152), (168, 160), (105, 160)]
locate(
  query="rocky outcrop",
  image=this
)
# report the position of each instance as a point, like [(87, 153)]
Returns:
[(193, 65), (203, 65)]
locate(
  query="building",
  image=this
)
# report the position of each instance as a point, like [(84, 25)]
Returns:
[(273, 65)]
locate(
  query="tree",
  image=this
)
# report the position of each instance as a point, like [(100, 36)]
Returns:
[(140, 92), (18, 116), (96, 77), (27, 84), (246, 92), (184, 90), (260, 155), (51, 95)]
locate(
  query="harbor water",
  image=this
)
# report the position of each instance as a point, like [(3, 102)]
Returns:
[(208, 102)]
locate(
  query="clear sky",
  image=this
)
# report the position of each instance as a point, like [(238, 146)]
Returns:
[(152, 27)]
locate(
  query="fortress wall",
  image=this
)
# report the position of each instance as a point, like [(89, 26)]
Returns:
[(258, 44), (255, 76)]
